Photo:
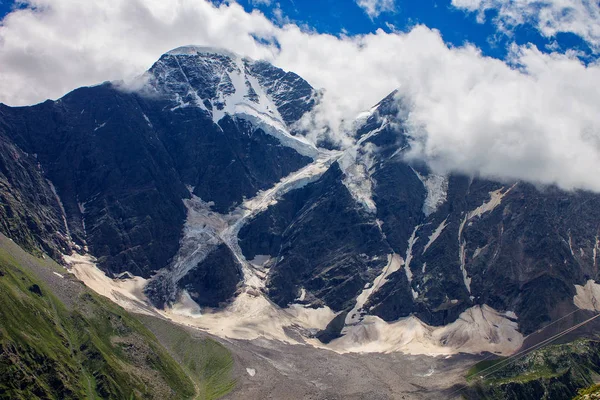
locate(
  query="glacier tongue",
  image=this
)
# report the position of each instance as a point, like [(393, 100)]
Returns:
[(437, 191), (205, 229), (357, 178)]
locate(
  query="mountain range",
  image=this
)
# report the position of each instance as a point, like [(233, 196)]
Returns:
[(203, 179)]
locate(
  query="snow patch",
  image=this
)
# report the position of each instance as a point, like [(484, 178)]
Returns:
[(252, 315), (571, 244), (411, 242), (595, 250), (204, 230), (511, 315), (186, 306), (201, 235), (462, 256), (302, 295), (148, 121), (478, 329), (277, 129), (587, 296), (128, 293), (355, 315), (487, 206), (62, 212), (436, 234), (236, 92)]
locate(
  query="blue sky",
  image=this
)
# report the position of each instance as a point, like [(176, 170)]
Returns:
[(456, 26), (4, 7)]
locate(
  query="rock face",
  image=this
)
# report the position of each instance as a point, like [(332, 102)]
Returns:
[(106, 169), (202, 179), (30, 212), (323, 242), (463, 241)]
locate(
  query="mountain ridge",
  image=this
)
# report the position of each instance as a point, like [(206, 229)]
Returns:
[(208, 188)]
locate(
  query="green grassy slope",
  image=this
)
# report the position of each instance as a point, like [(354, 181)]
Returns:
[(591, 393), (59, 340), (555, 372), (206, 361)]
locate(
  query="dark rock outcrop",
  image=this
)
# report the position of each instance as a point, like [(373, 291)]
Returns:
[(120, 162), (215, 279)]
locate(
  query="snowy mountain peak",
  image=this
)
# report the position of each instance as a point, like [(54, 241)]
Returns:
[(223, 83), (195, 50), (219, 81)]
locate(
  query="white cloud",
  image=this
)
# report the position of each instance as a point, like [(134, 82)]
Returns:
[(478, 116), (580, 17), (261, 2), (469, 113), (374, 8)]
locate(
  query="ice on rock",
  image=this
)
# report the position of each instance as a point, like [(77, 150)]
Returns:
[(355, 165), (222, 83), (437, 191)]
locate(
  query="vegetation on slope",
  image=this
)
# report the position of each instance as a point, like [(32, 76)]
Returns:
[(591, 393), (79, 345), (554, 372), (207, 362)]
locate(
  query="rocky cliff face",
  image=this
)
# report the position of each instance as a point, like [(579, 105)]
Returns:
[(30, 211), (202, 179), (106, 169), (463, 241)]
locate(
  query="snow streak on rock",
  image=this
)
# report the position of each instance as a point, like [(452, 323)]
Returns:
[(411, 242), (355, 315), (436, 234), (487, 206)]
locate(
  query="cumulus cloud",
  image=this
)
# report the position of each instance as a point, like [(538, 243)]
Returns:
[(374, 8), (535, 119), (538, 123), (580, 17)]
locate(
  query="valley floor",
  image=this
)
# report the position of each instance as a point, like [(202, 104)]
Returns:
[(273, 370)]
